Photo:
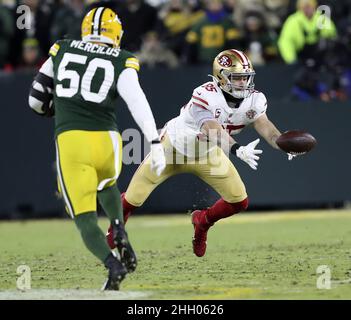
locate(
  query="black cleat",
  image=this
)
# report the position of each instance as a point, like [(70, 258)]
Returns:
[(116, 273), (126, 252)]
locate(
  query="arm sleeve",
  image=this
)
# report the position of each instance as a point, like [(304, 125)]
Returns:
[(129, 88)]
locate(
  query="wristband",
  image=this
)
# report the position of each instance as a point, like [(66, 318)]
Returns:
[(235, 147)]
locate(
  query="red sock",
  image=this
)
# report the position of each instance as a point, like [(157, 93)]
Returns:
[(223, 209), (127, 207)]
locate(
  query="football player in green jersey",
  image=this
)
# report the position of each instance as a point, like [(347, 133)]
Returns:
[(79, 84)]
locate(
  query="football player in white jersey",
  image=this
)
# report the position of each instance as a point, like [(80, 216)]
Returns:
[(199, 140)]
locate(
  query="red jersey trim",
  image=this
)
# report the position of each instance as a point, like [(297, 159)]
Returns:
[(202, 100), (200, 106)]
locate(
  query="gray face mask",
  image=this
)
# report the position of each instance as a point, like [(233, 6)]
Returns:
[(239, 91)]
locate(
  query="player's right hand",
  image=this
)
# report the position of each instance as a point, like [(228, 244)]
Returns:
[(249, 154), (158, 159)]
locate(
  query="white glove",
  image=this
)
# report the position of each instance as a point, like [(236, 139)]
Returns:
[(158, 159), (248, 153), (292, 155)]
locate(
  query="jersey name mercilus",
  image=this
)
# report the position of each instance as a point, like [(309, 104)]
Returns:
[(95, 48)]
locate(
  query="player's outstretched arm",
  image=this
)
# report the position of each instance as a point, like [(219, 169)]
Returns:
[(129, 88), (267, 130), (270, 133)]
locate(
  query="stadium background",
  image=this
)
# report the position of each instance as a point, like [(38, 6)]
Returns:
[(317, 180)]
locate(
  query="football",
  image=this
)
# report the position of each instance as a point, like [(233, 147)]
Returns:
[(296, 141)]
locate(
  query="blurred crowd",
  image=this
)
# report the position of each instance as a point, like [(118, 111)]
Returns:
[(172, 33)]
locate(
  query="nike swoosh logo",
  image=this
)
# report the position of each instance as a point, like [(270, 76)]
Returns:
[(199, 93)]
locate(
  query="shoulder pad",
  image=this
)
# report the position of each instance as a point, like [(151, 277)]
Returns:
[(259, 102), (208, 88), (54, 49), (201, 97), (132, 62)]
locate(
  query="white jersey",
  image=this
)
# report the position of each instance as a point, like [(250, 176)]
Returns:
[(208, 103)]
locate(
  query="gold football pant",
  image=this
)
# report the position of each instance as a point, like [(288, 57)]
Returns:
[(216, 170), (87, 162)]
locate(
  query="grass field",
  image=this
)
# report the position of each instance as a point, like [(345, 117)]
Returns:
[(249, 256)]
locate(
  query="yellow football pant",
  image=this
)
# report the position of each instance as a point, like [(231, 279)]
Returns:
[(87, 162), (216, 170)]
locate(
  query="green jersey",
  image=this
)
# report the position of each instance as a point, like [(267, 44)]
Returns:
[(85, 84)]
